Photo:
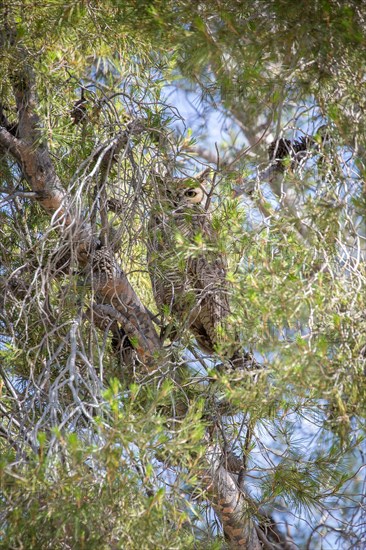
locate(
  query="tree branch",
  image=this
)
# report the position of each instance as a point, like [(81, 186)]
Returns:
[(9, 143), (30, 150), (229, 503)]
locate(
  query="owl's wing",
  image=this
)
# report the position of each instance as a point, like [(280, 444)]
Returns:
[(208, 317)]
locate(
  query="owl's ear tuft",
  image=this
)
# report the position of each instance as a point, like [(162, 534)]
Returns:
[(202, 176)]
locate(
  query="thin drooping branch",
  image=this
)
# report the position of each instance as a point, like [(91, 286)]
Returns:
[(254, 130), (31, 153)]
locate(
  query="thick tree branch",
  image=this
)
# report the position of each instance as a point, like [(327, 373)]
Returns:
[(106, 316), (9, 143), (31, 152), (229, 503), (235, 508)]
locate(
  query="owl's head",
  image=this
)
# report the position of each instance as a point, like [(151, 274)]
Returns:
[(190, 192)]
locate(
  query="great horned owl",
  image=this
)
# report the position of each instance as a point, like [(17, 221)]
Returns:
[(187, 272)]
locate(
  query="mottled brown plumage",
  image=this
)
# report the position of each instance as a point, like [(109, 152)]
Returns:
[(187, 272)]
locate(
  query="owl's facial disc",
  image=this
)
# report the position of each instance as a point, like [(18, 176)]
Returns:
[(193, 195)]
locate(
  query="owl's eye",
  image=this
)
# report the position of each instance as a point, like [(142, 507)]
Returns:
[(190, 193)]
